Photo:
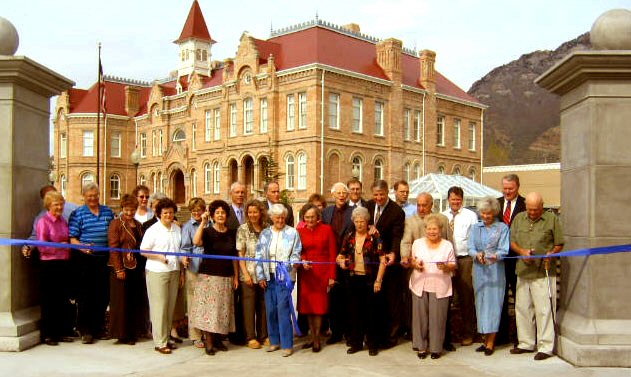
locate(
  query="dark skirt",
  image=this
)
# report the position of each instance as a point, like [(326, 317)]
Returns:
[(126, 300)]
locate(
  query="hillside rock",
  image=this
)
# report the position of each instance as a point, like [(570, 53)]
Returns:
[(519, 126)]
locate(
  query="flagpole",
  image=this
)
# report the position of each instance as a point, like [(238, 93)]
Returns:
[(98, 122)]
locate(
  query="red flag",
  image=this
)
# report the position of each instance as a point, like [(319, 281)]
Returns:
[(102, 105)]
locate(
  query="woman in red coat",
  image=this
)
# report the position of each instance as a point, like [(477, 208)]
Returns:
[(318, 245)]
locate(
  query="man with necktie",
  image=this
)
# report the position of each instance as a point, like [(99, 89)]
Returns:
[(235, 219)]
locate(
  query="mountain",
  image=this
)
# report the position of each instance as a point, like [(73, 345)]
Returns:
[(521, 125)]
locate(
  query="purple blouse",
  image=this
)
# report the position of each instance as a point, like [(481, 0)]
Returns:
[(53, 229)]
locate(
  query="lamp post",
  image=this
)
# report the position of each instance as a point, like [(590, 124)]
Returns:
[(135, 159)]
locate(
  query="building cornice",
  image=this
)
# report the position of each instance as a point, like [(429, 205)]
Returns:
[(413, 89), (94, 115), (461, 101), (528, 167), (332, 69)]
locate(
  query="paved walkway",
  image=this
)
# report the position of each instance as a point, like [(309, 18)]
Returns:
[(106, 359)]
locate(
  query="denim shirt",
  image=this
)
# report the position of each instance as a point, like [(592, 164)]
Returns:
[(288, 252), (188, 232)]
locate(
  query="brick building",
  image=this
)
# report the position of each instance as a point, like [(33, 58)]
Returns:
[(321, 102)]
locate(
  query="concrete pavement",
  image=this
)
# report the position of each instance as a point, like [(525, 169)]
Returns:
[(106, 359)]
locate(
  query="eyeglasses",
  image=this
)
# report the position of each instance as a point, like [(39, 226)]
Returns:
[(143, 196)]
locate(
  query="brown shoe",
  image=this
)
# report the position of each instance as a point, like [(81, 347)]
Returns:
[(254, 344), (542, 356), (467, 342), (163, 350), (519, 351), (287, 352)]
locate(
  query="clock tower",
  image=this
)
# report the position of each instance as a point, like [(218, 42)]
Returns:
[(195, 44)]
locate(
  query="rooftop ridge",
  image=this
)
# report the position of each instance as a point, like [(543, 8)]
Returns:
[(123, 80), (333, 27)]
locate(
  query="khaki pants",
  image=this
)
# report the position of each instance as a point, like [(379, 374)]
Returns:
[(191, 279), (533, 314), (162, 292)]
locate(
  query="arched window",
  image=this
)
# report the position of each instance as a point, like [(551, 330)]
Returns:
[(357, 168), (142, 180), (207, 178), (115, 186), (378, 169), (87, 178), (64, 184), (216, 177), (302, 171), (160, 186), (417, 171), (290, 174), (472, 174), (179, 136), (441, 169), (406, 171), (193, 183), (457, 171)]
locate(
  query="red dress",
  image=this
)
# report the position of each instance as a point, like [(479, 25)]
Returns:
[(318, 245)]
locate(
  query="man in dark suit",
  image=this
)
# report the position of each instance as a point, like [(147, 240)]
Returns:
[(355, 189), (236, 217), (338, 216), (272, 193), (387, 219), (511, 203)]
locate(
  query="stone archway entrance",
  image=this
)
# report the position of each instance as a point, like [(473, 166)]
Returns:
[(179, 189), (248, 173)]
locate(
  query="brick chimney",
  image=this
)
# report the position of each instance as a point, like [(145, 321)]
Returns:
[(389, 57), (132, 100), (428, 72)]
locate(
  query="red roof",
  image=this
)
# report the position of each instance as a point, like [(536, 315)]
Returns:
[(195, 26), (86, 101)]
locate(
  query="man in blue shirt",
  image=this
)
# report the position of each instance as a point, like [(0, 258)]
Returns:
[(88, 226)]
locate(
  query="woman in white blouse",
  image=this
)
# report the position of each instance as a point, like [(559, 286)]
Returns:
[(162, 272)]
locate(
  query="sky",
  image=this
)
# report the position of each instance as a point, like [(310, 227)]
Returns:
[(470, 37)]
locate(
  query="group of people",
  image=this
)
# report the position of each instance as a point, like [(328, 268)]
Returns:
[(368, 272)]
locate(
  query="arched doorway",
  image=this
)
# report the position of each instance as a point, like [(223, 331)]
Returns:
[(263, 173), (233, 170), (248, 173), (179, 189)]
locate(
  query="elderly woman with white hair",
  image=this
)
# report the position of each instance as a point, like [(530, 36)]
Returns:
[(362, 255), (278, 243), (488, 241)]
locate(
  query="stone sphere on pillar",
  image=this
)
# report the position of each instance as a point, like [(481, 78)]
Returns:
[(9, 39), (612, 30)]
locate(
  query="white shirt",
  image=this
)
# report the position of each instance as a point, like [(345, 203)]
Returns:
[(159, 238), (462, 224)]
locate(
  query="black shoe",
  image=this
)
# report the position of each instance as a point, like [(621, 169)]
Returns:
[(333, 339), (51, 342), (171, 345), (519, 351), (488, 351), (449, 347), (435, 355), (307, 345), (482, 348), (175, 339), (542, 356), (353, 350), (316, 348), (66, 339), (422, 355), (219, 346), (87, 339), (210, 351), (373, 352), (104, 336)]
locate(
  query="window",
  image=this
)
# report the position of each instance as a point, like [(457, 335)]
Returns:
[(193, 183), (472, 174), (406, 171), (302, 103), (440, 131), (289, 172), (472, 137), (154, 144), (406, 124), (208, 125), (115, 186), (417, 171), (358, 105), (441, 169), (64, 184), (179, 136), (87, 178), (378, 169), (194, 136), (115, 147), (63, 145), (217, 124), (248, 116), (417, 125), (379, 118), (88, 143), (291, 113), (302, 171), (207, 178), (334, 111), (457, 123), (160, 186), (160, 142), (143, 145), (154, 181), (142, 180), (457, 171), (357, 168), (263, 115), (216, 177), (233, 119)]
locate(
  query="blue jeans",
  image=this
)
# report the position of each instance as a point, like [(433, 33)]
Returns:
[(278, 309)]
